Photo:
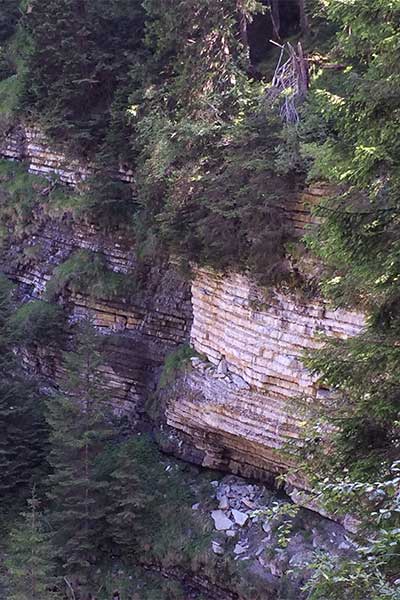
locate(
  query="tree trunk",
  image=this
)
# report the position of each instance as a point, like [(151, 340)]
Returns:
[(275, 18), (304, 25)]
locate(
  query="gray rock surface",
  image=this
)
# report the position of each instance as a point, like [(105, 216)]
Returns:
[(221, 521)]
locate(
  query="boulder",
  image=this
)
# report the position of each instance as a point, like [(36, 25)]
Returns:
[(224, 503), (221, 521), (239, 382), (240, 518), (222, 368), (239, 549)]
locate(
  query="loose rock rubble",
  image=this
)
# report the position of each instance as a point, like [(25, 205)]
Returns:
[(242, 534)]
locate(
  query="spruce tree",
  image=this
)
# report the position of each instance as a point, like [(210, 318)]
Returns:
[(78, 54), (23, 430), (129, 499), (29, 560), (78, 418)]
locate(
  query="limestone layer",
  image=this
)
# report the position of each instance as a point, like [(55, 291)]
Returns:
[(29, 144), (248, 396), (238, 405), (139, 329), (43, 158)]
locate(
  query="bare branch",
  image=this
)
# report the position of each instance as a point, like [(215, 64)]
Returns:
[(290, 82)]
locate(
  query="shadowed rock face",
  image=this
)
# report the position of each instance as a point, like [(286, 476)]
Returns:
[(139, 329), (236, 406)]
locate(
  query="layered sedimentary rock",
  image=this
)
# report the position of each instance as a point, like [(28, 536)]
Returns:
[(140, 329), (29, 144), (248, 394)]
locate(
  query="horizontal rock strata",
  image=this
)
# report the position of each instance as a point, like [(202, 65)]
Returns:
[(248, 397), (29, 144), (239, 404), (140, 329)]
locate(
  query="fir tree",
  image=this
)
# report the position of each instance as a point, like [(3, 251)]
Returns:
[(23, 431), (78, 421), (78, 54), (29, 558), (353, 121), (129, 497)]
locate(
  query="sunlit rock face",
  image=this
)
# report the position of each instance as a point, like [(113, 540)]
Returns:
[(247, 397)]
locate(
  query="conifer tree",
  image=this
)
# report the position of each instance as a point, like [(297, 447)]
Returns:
[(29, 558), (23, 431), (78, 421), (128, 495), (78, 54)]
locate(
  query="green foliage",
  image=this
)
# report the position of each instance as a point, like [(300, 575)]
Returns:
[(106, 200), (366, 372), (137, 581), (359, 238), (87, 272), (18, 194), (280, 515), (88, 49), (23, 432), (38, 322), (167, 91), (351, 124), (8, 19), (26, 198), (30, 564), (351, 134), (370, 573), (78, 418), (149, 503), (206, 147), (8, 94), (175, 361)]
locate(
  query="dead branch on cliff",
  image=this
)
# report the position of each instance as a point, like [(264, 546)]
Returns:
[(290, 82)]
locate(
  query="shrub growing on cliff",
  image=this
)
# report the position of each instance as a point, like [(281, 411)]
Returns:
[(175, 361), (38, 322), (87, 272)]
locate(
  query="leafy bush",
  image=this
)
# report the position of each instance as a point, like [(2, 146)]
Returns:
[(374, 567)]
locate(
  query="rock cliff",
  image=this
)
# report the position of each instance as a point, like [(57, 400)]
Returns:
[(247, 395)]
